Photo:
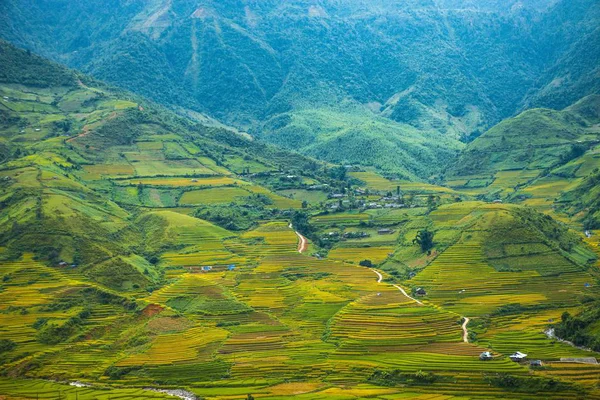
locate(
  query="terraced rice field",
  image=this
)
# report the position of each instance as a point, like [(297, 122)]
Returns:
[(346, 219), (280, 323), (183, 181), (357, 254), (213, 196), (377, 182)]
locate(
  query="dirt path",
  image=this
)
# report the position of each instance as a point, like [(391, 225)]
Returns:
[(465, 336), (85, 131), (302, 241), (406, 294), (465, 331), (380, 277)]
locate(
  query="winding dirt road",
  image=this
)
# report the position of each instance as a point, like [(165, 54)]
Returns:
[(465, 331), (406, 294), (380, 277), (302, 241)]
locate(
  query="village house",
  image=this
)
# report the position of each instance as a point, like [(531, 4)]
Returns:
[(318, 187), (420, 292), (385, 231), (206, 268), (394, 205), (536, 363), (518, 356), (486, 356)]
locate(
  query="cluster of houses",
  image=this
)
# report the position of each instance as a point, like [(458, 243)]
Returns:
[(356, 235), (208, 268), (516, 357), (318, 187), (64, 264), (347, 235)]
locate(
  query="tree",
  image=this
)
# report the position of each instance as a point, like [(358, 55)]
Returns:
[(424, 239), (366, 263), (432, 202), (301, 224)]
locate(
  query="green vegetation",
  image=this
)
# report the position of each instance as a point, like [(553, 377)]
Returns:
[(424, 239), (397, 377), (355, 91), (142, 249), (581, 330)]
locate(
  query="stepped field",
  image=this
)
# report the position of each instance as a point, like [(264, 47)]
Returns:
[(140, 250)]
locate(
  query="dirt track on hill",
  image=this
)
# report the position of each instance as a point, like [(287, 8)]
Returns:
[(466, 321), (302, 241), (465, 331), (406, 294)]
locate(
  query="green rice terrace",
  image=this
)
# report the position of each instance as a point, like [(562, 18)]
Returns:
[(144, 255)]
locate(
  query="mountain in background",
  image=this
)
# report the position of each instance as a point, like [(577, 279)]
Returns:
[(418, 76)]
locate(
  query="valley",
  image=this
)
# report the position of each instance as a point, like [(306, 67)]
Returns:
[(269, 226)]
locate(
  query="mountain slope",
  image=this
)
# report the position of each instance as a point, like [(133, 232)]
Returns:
[(113, 276), (82, 161), (453, 68), (536, 140)]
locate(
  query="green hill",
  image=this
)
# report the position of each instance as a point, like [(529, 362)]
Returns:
[(83, 162), (143, 253), (536, 144), (435, 71)]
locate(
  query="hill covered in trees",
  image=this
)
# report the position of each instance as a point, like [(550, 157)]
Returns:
[(410, 69)]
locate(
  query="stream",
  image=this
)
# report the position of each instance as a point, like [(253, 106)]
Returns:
[(182, 394), (551, 335)]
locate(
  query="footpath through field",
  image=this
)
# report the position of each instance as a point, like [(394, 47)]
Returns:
[(302, 241), (465, 336), (465, 331)]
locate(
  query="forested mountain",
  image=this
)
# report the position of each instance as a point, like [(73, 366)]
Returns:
[(406, 69)]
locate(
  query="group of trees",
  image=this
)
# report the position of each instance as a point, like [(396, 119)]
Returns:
[(575, 328), (424, 239)]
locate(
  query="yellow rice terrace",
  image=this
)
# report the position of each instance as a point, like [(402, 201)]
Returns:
[(234, 220)]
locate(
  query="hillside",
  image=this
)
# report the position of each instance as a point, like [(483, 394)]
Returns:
[(537, 146), (146, 255), (418, 68), (80, 161)]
